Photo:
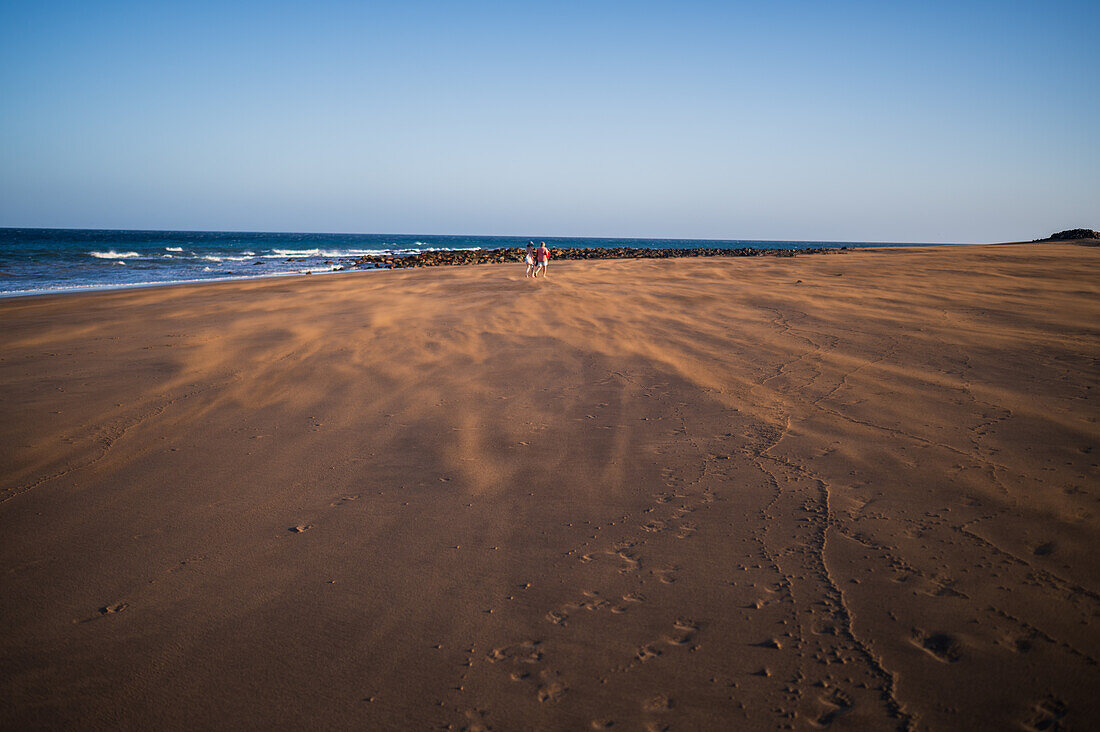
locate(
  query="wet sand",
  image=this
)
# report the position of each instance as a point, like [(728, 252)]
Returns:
[(854, 490)]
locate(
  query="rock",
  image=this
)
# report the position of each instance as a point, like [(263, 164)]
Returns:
[(1071, 234), (516, 255)]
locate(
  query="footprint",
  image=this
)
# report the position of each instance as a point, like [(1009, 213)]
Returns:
[(551, 691), (300, 528), (1048, 715), (667, 575), (684, 633), (941, 646), (685, 530), (594, 602), (525, 652), (345, 499), (630, 561), (112, 609), (1044, 550), (475, 723), (1024, 644), (946, 589), (647, 653), (836, 703)]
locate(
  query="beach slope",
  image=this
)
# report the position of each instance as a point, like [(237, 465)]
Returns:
[(856, 490)]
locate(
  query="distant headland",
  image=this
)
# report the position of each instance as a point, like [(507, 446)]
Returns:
[(1072, 235)]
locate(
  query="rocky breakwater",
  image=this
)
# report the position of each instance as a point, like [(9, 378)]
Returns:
[(495, 256)]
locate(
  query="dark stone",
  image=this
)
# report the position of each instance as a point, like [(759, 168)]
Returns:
[(516, 255), (1071, 234)]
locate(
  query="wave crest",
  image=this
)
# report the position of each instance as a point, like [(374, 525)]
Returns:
[(114, 255)]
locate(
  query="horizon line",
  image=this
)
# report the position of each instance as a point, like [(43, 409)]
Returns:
[(497, 236)]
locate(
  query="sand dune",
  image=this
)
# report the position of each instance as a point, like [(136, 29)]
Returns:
[(855, 490)]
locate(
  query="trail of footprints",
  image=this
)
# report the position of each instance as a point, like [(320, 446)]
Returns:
[(670, 513), (816, 625), (625, 556), (122, 605)]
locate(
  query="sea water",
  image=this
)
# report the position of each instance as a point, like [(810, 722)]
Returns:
[(36, 261)]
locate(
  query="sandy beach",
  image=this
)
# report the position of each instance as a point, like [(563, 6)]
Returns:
[(856, 490)]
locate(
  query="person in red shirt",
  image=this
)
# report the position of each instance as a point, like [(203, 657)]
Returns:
[(542, 256)]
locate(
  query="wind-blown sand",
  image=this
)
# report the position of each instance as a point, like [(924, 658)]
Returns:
[(855, 489)]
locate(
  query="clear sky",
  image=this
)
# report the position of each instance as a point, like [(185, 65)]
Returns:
[(887, 121)]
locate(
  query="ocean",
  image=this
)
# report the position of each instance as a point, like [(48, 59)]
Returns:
[(35, 261)]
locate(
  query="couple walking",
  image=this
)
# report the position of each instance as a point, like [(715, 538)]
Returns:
[(536, 259)]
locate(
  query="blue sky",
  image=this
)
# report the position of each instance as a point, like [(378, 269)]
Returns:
[(886, 121)]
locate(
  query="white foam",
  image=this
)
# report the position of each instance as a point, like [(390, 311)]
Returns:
[(114, 255), (121, 262), (329, 268), (345, 252), (211, 259), (297, 252), (173, 249), (312, 254)]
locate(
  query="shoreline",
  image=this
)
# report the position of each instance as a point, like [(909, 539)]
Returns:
[(90, 289), (512, 255), (442, 257)]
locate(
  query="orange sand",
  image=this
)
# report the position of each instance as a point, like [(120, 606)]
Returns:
[(856, 490)]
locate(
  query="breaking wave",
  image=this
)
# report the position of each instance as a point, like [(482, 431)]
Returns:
[(114, 255)]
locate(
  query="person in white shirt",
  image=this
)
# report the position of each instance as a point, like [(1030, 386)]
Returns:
[(530, 260)]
